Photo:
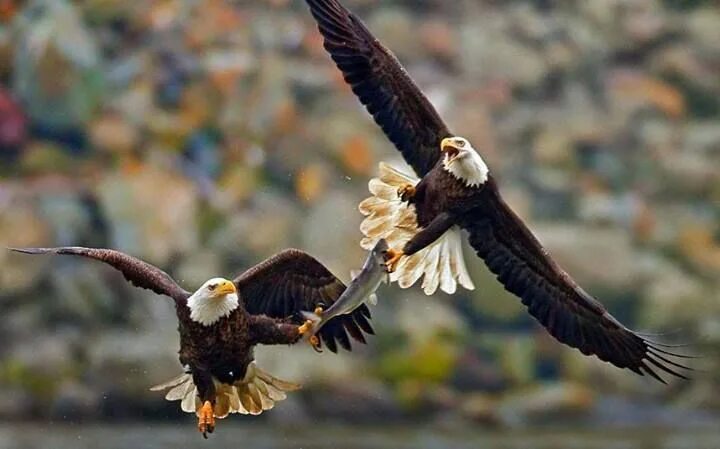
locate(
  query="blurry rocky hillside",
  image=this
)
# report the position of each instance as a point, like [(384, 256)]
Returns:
[(204, 136)]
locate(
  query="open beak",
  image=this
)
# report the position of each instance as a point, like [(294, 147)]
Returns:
[(226, 288), (448, 147)]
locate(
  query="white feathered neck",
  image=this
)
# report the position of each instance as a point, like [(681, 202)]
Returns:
[(207, 308), (467, 165)]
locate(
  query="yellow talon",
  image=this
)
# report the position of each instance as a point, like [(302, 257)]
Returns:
[(315, 343), (206, 419), (392, 257), (318, 311), (305, 328), (406, 192)]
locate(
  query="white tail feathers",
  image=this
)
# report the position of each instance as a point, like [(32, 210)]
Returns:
[(441, 264), (256, 392)]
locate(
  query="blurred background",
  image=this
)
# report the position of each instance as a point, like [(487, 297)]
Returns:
[(206, 135)]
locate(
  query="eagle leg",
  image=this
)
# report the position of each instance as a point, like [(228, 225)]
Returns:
[(314, 339), (206, 419), (392, 258), (406, 193)]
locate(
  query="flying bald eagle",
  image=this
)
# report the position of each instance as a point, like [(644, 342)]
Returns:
[(223, 320), (422, 219)]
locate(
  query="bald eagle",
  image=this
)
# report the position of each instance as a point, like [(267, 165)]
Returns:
[(222, 321), (422, 219)]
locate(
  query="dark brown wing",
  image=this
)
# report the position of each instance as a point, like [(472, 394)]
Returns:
[(292, 282), (139, 273), (571, 315), (405, 115)]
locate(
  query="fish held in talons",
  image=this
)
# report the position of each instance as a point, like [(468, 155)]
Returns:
[(361, 290)]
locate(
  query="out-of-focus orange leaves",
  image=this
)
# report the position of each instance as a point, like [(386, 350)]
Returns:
[(648, 90), (213, 20), (224, 80), (110, 132), (698, 245), (310, 183), (644, 223), (162, 14), (197, 106), (286, 116), (357, 156), (132, 166), (312, 42), (437, 37)]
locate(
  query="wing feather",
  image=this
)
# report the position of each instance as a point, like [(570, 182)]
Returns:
[(137, 272), (570, 314), (291, 282), (378, 79)]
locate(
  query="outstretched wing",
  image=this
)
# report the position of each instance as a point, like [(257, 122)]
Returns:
[(139, 273), (405, 115), (570, 314), (292, 282)]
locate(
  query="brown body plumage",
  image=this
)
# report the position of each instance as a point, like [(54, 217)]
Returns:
[(266, 308), (449, 198), (223, 350), (440, 201)]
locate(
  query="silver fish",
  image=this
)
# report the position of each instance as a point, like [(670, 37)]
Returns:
[(361, 289)]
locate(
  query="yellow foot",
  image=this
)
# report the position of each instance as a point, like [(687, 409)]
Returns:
[(318, 311), (392, 258), (305, 328), (206, 420), (406, 192), (315, 343)]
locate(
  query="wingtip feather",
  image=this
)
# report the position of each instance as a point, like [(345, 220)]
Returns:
[(29, 250)]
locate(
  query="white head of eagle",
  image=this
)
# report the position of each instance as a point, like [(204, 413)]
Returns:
[(463, 162), (216, 298)]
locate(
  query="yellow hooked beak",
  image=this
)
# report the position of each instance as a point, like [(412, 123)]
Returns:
[(449, 147), (225, 288)]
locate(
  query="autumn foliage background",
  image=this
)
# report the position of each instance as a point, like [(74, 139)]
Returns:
[(204, 136)]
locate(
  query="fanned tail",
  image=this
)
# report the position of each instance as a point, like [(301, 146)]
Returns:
[(441, 264), (256, 392)]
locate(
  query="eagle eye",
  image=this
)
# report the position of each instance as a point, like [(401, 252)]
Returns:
[(460, 143), (212, 287)]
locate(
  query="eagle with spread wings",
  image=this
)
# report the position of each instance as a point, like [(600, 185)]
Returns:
[(423, 219), (222, 321)]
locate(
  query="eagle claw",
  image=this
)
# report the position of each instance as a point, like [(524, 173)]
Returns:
[(305, 327), (206, 419), (315, 343), (392, 257), (406, 192)]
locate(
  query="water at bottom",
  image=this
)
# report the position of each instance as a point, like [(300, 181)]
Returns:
[(318, 436)]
